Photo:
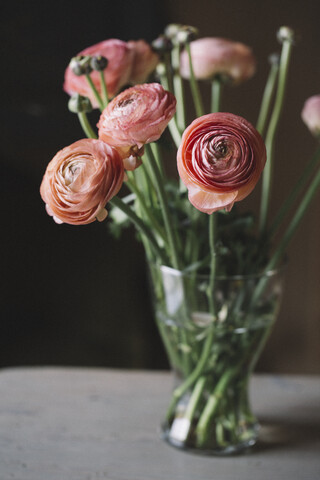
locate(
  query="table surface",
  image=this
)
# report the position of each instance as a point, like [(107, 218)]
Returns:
[(97, 424)]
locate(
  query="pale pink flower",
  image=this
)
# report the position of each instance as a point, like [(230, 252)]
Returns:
[(137, 116), (220, 160), (218, 56), (120, 57), (144, 61), (311, 114), (80, 180)]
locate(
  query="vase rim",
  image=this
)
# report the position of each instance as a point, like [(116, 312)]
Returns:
[(185, 273)]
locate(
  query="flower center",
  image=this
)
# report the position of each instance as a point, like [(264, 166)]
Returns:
[(220, 148)]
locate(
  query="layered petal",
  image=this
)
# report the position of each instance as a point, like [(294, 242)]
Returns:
[(80, 180), (144, 61), (137, 116), (220, 160)]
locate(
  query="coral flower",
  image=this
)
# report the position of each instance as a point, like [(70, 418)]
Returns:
[(217, 56), (137, 116), (144, 61), (220, 160), (80, 180), (120, 57), (311, 114)]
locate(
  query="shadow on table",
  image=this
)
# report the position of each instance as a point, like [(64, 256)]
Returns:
[(278, 433)]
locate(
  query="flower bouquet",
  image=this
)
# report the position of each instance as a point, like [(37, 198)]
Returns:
[(215, 272)]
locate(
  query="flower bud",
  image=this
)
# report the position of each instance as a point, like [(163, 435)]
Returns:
[(80, 65), (79, 104), (99, 63), (286, 34), (172, 29), (186, 34), (162, 44)]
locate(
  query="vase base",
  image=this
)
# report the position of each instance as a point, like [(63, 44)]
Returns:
[(219, 451)]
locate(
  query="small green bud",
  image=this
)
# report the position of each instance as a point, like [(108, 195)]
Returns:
[(287, 34), (80, 65), (162, 44), (99, 63), (186, 34), (172, 29), (79, 104), (160, 70)]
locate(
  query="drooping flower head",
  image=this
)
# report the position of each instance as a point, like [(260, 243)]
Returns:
[(220, 160), (218, 57), (137, 116), (120, 57), (311, 114), (80, 180)]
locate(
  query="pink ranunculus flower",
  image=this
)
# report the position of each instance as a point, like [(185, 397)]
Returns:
[(80, 180), (218, 56), (144, 61), (220, 160), (120, 57), (137, 116), (311, 114)]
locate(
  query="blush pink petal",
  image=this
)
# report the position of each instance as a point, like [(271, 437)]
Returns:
[(218, 56), (80, 180), (120, 57), (311, 114), (137, 116), (144, 61)]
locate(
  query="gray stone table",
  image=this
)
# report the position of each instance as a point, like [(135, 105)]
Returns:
[(96, 424)]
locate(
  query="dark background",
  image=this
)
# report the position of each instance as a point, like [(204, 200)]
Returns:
[(75, 295)]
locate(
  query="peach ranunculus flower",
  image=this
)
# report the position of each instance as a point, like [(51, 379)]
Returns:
[(311, 114), (220, 160), (144, 61), (120, 57), (137, 116), (80, 180), (218, 56)]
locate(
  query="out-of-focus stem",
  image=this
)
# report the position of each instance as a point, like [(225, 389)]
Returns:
[(271, 132)]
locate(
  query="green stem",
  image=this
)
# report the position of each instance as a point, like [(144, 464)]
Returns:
[(212, 234), (85, 124), (148, 212), (140, 225), (157, 155), (168, 70), (216, 91), (196, 95), (173, 253), (104, 89), (288, 203), (95, 92), (266, 99), (195, 397), (271, 132), (179, 391), (178, 89), (212, 405), (301, 210)]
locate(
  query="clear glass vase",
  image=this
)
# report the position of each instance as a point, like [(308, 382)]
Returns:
[(213, 336)]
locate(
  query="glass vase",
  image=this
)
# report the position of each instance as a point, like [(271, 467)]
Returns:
[(213, 334)]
